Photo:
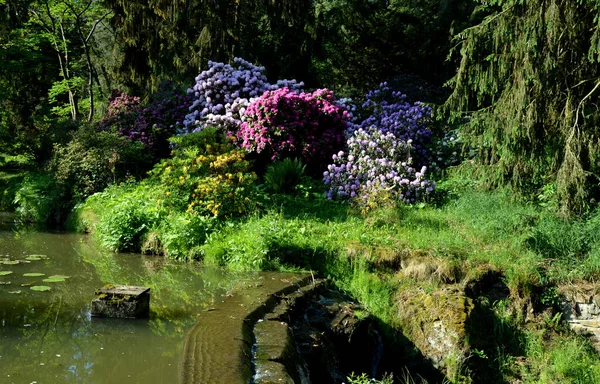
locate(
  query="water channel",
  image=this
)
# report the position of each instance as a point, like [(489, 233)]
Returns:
[(49, 336)]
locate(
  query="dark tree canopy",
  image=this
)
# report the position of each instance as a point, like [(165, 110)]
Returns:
[(176, 38), (529, 82)]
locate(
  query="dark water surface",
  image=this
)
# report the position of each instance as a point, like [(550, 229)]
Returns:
[(50, 337)]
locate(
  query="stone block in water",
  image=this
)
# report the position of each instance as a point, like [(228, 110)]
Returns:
[(121, 301)]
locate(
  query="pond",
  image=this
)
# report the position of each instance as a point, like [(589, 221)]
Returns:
[(47, 334)]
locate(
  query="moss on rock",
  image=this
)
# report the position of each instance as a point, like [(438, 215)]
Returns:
[(437, 325)]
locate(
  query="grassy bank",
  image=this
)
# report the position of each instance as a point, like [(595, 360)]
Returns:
[(377, 256)]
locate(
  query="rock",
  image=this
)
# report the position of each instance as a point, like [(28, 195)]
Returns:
[(437, 324), (581, 310), (121, 301), (275, 344), (272, 372), (336, 336)]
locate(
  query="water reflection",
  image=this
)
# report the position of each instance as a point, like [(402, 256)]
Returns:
[(49, 337)]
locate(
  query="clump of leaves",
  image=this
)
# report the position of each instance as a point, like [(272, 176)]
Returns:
[(283, 176)]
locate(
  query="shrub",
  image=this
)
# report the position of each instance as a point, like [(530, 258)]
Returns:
[(122, 112), (223, 92), (179, 235), (213, 174), (151, 125), (283, 176), (92, 160), (124, 224), (389, 111), (35, 200), (376, 165), (283, 123)]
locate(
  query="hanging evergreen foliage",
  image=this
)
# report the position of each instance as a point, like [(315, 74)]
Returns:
[(161, 38), (529, 82)]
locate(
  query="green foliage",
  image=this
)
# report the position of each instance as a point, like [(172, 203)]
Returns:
[(9, 184), (179, 235), (560, 359), (36, 200), (570, 246), (533, 119), (92, 160), (161, 40), (125, 214), (364, 379), (214, 175), (359, 43), (283, 176)]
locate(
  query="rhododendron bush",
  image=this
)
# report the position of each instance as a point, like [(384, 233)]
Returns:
[(283, 123), (389, 111), (223, 92), (151, 125), (374, 163), (387, 151)]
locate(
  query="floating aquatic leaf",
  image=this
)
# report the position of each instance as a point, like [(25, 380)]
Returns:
[(33, 274), (59, 277), (54, 279), (40, 288), (14, 292), (4, 273), (26, 284), (33, 258), (4, 282), (40, 256), (10, 262)]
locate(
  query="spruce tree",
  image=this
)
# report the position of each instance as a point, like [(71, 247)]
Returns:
[(529, 82)]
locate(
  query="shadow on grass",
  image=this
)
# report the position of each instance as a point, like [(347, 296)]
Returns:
[(315, 208), (494, 340)]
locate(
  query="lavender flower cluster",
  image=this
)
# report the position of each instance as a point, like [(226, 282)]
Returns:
[(376, 162), (389, 111), (223, 92)]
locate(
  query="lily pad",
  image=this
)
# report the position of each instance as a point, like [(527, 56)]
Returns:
[(14, 292), (54, 279), (5, 282), (4, 273), (33, 258), (10, 262), (33, 274), (59, 277), (40, 288)]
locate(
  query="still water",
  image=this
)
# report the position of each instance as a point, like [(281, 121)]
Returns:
[(50, 337)]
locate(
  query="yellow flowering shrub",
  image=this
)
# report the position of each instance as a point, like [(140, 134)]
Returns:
[(214, 175)]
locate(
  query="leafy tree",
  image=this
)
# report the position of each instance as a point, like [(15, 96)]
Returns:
[(528, 81), (69, 26), (27, 70)]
